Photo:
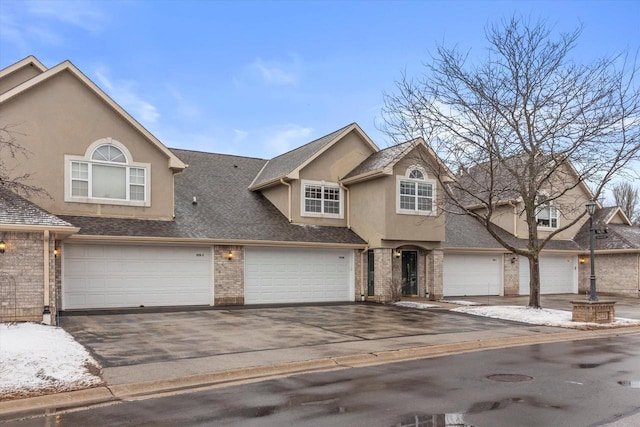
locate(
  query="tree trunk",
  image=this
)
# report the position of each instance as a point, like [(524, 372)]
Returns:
[(534, 281)]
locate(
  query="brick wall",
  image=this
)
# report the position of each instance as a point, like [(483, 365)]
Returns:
[(22, 275), (435, 279), (228, 275), (383, 277), (357, 274), (616, 274), (511, 275)]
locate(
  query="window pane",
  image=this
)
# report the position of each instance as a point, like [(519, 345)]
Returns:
[(79, 170), (109, 153), (109, 182), (136, 176), (312, 205), (79, 188), (416, 174), (313, 192), (331, 207), (332, 193), (136, 192), (425, 190), (407, 202), (424, 204), (407, 187)]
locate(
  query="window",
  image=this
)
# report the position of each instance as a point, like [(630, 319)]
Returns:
[(107, 175), (415, 193), (547, 215), (321, 199)]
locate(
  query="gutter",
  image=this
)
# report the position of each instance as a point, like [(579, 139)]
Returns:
[(46, 311)]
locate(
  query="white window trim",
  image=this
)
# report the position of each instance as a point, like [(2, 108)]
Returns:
[(68, 182), (416, 211), (552, 208), (304, 213)]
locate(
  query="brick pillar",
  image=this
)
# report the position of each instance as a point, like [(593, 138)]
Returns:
[(436, 260), (383, 276), (228, 276), (511, 275)]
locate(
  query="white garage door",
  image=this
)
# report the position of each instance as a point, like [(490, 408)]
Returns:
[(104, 276), (286, 275), (558, 274), (472, 274)]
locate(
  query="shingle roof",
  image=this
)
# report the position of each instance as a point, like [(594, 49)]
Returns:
[(619, 236), (225, 209), (463, 231), (16, 210), (287, 162), (379, 160)]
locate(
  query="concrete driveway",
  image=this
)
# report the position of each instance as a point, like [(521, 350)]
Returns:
[(119, 340)]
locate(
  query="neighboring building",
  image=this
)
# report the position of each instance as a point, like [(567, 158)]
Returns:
[(130, 223)]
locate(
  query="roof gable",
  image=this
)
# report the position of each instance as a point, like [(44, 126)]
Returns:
[(66, 66), (383, 161), (288, 165)]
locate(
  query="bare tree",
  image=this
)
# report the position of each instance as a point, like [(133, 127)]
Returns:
[(523, 128), (627, 197), (11, 149)]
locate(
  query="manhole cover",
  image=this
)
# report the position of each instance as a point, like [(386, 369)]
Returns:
[(509, 378)]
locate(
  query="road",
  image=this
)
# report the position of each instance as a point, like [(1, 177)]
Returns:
[(580, 383)]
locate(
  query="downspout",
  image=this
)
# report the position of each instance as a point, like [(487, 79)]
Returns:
[(348, 205), (515, 219), (288, 197), (46, 312)]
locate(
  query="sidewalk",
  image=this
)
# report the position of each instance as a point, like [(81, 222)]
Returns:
[(136, 381)]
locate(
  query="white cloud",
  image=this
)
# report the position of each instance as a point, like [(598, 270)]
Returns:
[(240, 134), (86, 15), (123, 92), (271, 73), (286, 138), (183, 108)]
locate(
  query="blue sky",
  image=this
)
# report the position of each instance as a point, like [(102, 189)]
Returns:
[(258, 78)]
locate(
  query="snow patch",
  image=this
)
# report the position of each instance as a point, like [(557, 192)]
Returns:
[(418, 305), (459, 302), (540, 316), (38, 358)]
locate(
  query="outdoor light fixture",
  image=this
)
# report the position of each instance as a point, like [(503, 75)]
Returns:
[(3, 246), (582, 260), (397, 254), (230, 255), (56, 251), (591, 209)]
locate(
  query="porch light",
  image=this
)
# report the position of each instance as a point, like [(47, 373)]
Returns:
[(397, 253), (56, 251), (3, 246), (591, 209), (230, 255)]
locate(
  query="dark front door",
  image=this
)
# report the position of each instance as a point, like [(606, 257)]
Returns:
[(409, 273), (370, 270)]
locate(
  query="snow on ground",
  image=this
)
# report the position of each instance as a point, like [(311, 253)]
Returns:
[(418, 305), (459, 302), (36, 359), (541, 316)]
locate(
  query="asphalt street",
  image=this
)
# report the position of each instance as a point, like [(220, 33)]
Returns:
[(576, 383)]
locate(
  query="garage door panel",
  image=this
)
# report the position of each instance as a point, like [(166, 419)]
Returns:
[(558, 274), (111, 276), (281, 275), (472, 274)]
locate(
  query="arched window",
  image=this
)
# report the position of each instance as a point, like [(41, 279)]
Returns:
[(107, 175), (415, 193)]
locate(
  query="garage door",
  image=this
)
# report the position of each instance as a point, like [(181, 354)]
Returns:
[(105, 276), (558, 274), (472, 274), (285, 275)]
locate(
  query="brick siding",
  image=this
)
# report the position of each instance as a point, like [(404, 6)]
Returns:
[(228, 275), (616, 274), (511, 275)]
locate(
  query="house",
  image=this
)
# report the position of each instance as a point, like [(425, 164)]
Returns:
[(128, 222)]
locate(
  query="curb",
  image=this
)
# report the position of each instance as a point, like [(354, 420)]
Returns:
[(125, 392)]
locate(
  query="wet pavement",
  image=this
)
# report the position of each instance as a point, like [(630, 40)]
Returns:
[(131, 339), (576, 383)]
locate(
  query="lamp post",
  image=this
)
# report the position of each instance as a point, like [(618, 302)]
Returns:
[(591, 209)]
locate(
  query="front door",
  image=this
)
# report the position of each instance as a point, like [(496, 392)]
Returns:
[(370, 272), (409, 273)]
